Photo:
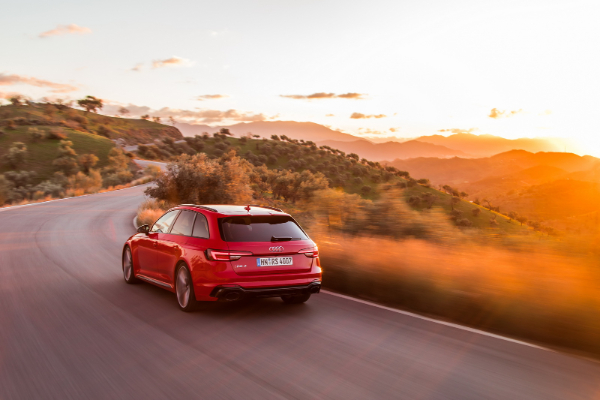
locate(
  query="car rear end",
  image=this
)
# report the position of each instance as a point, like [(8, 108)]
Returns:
[(268, 255)]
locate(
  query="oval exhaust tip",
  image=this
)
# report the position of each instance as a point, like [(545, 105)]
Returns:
[(232, 296)]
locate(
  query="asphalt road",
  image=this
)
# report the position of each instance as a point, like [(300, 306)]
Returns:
[(145, 163), (70, 328)]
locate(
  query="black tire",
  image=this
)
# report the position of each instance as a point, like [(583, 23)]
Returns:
[(297, 299), (184, 289), (127, 264)]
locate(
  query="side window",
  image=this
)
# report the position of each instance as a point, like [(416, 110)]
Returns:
[(184, 223), (164, 223), (201, 227)]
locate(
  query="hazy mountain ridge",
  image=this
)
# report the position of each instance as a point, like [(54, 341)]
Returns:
[(488, 145), (550, 187), (460, 144), (385, 151), (464, 170)]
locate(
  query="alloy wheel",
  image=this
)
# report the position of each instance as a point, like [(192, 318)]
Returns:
[(183, 287), (127, 265)]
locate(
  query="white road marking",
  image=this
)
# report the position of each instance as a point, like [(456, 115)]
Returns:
[(462, 327)]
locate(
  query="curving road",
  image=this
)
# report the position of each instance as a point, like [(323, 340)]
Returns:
[(70, 328)]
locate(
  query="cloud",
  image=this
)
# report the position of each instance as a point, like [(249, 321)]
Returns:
[(495, 113), (330, 115), (367, 131), (546, 112), (211, 97), (11, 79), (355, 96), (363, 116), (172, 62), (323, 95), (395, 129), (66, 30), (201, 116), (138, 67), (456, 130)]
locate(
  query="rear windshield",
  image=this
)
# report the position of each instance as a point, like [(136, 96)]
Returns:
[(260, 229)]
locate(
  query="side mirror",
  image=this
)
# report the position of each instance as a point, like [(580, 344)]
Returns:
[(143, 229)]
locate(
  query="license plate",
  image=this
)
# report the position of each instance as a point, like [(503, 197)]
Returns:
[(274, 261)]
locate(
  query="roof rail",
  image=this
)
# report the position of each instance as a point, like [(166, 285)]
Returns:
[(203, 207), (270, 208)]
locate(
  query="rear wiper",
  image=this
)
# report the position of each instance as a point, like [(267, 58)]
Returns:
[(281, 238)]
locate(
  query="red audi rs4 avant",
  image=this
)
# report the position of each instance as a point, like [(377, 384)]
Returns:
[(224, 253)]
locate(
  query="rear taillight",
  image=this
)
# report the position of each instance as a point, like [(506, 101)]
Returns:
[(225, 255), (312, 252)]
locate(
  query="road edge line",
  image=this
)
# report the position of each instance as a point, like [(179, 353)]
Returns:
[(65, 198), (437, 321)]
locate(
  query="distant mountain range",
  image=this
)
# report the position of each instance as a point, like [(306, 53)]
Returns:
[(377, 149), (457, 170), (391, 150), (544, 186), (488, 145)]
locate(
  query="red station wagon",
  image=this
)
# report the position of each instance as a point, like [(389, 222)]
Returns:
[(224, 253)]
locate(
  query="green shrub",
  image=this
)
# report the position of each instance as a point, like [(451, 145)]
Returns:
[(56, 134)]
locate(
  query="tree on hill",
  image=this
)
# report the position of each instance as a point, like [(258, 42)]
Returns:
[(86, 162), (454, 201), (521, 219), (35, 134), (489, 204), (16, 100), (172, 120), (90, 103), (463, 195), (199, 180), (428, 198), (225, 132), (145, 117), (66, 162), (5, 190), (16, 154), (104, 131), (156, 119), (117, 171), (123, 111), (476, 212)]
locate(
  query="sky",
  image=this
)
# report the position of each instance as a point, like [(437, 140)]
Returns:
[(376, 68)]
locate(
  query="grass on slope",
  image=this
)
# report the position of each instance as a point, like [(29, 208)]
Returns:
[(482, 221), (41, 154), (132, 131)]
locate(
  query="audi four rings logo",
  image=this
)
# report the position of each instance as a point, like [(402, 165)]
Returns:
[(278, 249)]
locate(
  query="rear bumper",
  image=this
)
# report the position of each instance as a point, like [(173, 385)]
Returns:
[(230, 293)]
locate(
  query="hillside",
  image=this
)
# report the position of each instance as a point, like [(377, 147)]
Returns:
[(392, 150), (560, 189), (40, 154), (554, 201), (455, 171), (488, 145), (132, 131), (368, 179), (292, 129), (494, 186)]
